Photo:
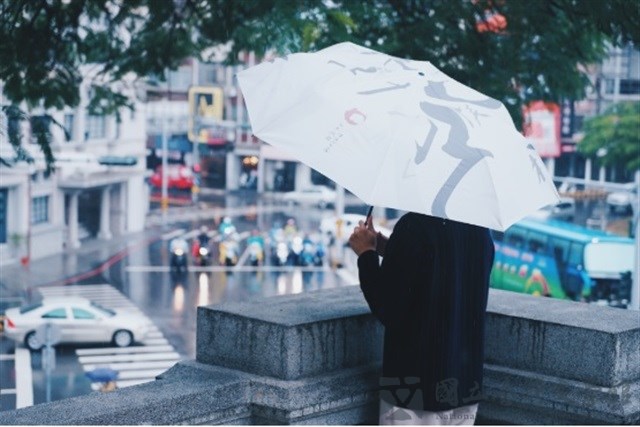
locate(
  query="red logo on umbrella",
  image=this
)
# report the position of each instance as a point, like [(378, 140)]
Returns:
[(354, 116)]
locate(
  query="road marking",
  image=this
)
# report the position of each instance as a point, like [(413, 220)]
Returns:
[(172, 234), (220, 268), (129, 357), (7, 357), (24, 378), (155, 341), (122, 350), (7, 391), (125, 366), (141, 363)]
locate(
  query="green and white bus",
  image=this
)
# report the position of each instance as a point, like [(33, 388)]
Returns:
[(562, 260)]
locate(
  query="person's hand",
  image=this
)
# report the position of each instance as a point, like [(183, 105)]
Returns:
[(363, 238)]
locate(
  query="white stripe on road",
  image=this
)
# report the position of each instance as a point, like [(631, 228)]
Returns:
[(218, 268), (155, 341), (7, 391), (7, 357), (140, 374), (172, 234), (24, 378), (126, 366), (121, 350), (129, 357)]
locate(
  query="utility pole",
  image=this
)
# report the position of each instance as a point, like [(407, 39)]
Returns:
[(164, 201)]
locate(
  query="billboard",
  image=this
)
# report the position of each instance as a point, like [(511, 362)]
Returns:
[(542, 127), (206, 107)]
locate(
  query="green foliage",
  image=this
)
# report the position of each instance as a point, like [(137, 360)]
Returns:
[(615, 134), (538, 55)]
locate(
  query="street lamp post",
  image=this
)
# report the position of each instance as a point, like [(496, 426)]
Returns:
[(164, 201)]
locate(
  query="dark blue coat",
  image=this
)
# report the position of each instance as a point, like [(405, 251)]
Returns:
[(430, 293)]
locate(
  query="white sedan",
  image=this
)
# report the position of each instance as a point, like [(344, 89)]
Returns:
[(78, 320), (315, 195)]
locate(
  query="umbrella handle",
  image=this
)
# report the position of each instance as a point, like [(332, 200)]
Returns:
[(366, 221)]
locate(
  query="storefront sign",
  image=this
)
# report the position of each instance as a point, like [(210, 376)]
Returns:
[(542, 127)]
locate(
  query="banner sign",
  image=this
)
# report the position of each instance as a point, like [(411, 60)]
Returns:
[(542, 127)]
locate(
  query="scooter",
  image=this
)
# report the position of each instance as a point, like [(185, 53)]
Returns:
[(256, 254), (203, 256), (178, 261), (228, 252)]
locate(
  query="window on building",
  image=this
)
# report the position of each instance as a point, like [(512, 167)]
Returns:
[(68, 126), (3, 215), (40, 210), (95, 127), (609, 86), (629, 87)]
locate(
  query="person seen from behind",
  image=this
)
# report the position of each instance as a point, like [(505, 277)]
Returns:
[(430, 293)]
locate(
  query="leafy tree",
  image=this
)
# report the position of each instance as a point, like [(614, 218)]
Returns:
[(512, 50), (614, 136)]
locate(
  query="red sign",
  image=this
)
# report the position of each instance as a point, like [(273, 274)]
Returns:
[(542, 127)]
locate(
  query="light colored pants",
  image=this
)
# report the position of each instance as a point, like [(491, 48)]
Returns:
[(394, 415)]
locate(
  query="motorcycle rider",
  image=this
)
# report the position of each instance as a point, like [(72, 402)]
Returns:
[(179, 249), (255, 243), (201, 245)]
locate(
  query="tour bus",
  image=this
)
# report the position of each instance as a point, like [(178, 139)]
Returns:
[(562, 260)]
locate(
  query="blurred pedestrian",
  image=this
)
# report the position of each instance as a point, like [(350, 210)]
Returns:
[(430, 293)]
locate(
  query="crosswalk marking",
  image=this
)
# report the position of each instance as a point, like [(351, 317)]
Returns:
[(126, 366), (4, 357), (135, 364), (24, 378), (129, 357), (121, 350)]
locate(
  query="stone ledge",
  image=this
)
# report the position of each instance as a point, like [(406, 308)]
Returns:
[(181, 396), (304, 336), (513, 394), (567, 339)]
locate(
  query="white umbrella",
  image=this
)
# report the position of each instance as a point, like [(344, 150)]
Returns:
[(398, 133)]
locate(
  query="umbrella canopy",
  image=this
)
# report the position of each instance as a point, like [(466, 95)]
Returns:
[(398, 133)]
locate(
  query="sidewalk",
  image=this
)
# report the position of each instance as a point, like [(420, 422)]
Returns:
[(90, 259)]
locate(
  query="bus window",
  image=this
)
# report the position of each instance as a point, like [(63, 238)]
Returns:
[(560, 248), (537, 242), (576, 255), (515, 237)]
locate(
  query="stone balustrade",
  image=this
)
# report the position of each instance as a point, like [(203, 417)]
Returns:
[(314, 358)]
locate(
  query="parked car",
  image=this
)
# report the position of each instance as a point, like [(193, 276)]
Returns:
[(79, 320), (315, 195), (178, 176), (622, 201), (329, 226), (564, 210)]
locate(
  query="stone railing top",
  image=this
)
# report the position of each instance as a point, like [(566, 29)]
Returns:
[(298, 309), (562, 312)]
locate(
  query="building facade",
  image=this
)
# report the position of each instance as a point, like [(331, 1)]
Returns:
[(97, 190)]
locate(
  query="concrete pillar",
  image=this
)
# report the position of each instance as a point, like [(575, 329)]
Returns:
[(105, 214), (303, 176), (587, 170), (262, 169), (233, 171), (111, 127), (136, 205), (79, 124), (73, 241)]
